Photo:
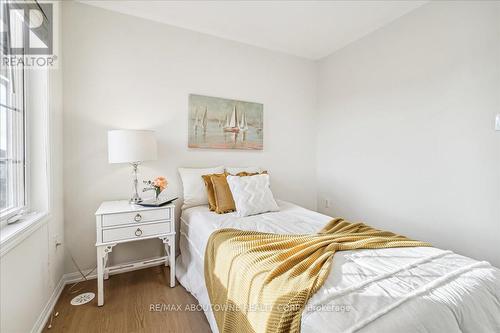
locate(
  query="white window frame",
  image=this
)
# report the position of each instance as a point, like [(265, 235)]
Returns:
[(38, 101), (17, 189), (37, 163)]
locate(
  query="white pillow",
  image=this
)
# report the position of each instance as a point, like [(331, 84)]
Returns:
[(193, 185), (237, 170), (252, 195)]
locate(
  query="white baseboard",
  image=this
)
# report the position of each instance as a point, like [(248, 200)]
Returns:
[(72, 278), (49, 307)]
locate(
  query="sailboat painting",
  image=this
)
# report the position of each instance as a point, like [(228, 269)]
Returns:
[(224, 123)]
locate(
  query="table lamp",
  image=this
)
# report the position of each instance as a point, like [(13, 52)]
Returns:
[(134, 147)]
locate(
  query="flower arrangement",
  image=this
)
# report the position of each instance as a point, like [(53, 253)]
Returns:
[(158, 184)]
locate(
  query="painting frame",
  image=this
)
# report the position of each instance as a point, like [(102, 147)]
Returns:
[(224, 123)]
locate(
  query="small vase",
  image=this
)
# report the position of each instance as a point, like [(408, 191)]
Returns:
[(157, 193)]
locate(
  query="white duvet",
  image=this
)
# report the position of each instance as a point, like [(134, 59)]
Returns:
[(388, 290)]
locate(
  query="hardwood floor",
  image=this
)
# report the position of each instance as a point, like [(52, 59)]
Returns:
[(127, 306)]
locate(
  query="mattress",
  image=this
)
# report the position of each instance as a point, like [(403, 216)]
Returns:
[(420, 289)]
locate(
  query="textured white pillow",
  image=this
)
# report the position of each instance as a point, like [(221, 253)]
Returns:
[(237, 170), (195, 193), (252, 195)]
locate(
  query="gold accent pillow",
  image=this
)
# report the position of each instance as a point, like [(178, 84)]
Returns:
[(210, 191), (223, 197)]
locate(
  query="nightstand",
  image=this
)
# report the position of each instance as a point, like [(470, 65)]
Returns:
[(119, 222)]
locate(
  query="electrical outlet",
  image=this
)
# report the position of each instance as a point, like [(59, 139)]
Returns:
[(497, 122), (57, 241), (327, 203)]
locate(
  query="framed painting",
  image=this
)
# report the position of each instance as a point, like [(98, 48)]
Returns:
[(222, 123)]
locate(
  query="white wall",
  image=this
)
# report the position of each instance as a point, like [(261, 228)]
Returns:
[(406, 128), (126, 72), (31, 271)]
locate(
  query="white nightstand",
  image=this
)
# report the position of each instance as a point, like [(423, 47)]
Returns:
[(120, 222)]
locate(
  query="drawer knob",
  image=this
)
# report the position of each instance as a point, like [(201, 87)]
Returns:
[(138, 232), (138, 218)]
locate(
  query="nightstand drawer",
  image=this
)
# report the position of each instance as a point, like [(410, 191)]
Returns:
[(135, 217), (140, 231)]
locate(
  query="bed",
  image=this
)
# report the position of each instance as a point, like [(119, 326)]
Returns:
[(416, 289)]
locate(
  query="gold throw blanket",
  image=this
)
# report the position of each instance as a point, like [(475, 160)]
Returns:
[(261, 282)]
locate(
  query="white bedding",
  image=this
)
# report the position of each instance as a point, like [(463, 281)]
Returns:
[(388, 290)]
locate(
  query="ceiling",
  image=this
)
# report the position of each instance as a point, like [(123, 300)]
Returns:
[(308, 29)]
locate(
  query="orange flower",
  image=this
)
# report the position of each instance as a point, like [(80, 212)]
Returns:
[(160, 182)]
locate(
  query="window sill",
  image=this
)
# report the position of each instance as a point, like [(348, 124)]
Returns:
[(13, 234)]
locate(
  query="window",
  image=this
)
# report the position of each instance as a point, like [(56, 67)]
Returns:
[(24, 134), (13, 194)]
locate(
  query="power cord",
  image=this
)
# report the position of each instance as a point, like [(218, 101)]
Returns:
[(70, 290), (84, 276)]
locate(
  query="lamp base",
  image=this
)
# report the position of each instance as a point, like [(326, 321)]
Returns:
[(135, 199)]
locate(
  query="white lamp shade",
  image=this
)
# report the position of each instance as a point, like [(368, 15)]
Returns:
[(126, 146)]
